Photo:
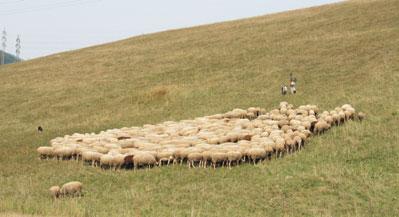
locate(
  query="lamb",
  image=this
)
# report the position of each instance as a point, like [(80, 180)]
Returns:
[(68, 189), (361, 116), (55, 191), (144, 158)]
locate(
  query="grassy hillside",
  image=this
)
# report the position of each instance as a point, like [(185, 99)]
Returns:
[(340, 53)]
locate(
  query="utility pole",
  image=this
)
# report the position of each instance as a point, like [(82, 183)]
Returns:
[(18, 48), (4, 45)]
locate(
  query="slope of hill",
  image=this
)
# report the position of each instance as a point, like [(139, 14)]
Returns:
[(340, 53), (8, 58)]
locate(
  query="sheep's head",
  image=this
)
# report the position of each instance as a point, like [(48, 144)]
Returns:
[(55, 191)]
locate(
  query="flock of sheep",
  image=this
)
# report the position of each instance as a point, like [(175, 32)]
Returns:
[(235, 137)]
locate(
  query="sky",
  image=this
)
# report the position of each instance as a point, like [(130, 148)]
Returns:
[(51, 26)]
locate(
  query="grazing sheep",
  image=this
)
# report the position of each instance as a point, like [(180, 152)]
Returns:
[(206, 156), (256, 154), (193, 158), (218, 157), (165, 156), (361, 116), (279, 147), (55, 191), (144, 158), (321, 126), (45, 152), (106, 161), (233, 156), (72, 189), (92, 157), (118, 161), (68, 189), (63, 153)]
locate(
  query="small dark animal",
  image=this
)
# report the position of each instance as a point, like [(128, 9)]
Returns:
[(39, 129)]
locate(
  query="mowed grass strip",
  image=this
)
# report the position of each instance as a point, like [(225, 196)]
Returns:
[(340, 53)]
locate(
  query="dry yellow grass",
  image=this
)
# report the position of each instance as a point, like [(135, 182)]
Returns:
[(340, 53)]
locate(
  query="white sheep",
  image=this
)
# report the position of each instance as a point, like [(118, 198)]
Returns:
[(68, 189)]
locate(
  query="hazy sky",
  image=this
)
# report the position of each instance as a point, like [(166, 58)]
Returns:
[(51, 26)]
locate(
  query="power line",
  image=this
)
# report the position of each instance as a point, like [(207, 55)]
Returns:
[(47, 7)]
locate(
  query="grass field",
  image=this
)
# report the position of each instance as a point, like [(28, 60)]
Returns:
[(340, 53)]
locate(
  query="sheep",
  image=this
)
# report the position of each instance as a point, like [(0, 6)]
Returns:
[(361, 116), (63, 152), (289, 145), (144, 158), (68, 189), (165, 156), (45, 152), (279, 147), (118, 161), (321, 126), (218, 157), (269, 150), (194, 157), (92, 157), (233, 156), (55, 191), (72, 188), (256, 154), (106, 161), (206, 156)]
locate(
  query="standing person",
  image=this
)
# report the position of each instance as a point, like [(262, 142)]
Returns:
[(293, 89), (284, 89), (292, 84)]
